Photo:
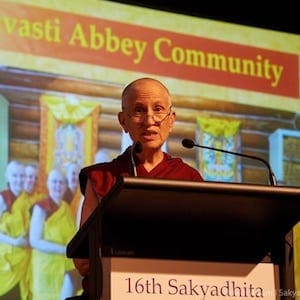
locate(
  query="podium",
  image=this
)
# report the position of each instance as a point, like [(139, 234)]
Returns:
[(190, 221)]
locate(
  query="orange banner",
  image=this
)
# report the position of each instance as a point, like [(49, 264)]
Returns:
[(97, 41)]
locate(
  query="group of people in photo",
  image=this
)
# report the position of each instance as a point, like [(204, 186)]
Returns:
[(35, 228)]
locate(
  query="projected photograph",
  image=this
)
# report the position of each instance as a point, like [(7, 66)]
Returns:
[(62, 72)]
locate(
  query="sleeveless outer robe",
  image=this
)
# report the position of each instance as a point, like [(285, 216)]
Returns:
[(14, 261), (49, 268)]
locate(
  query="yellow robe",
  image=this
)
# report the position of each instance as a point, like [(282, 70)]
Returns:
[(14, 261), (30, 199), (49, 268)]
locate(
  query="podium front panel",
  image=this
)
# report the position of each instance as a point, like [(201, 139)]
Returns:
[(129, 279)]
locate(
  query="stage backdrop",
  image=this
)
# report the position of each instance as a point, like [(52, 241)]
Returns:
[(63, 65)]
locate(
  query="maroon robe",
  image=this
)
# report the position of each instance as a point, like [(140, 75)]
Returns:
[(105, 175), (48, 205), (9, 198)]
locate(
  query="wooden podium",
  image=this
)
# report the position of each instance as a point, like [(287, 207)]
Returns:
[(190, 221)]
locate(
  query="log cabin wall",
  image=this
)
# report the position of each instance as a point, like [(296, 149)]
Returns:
[(22, 90)]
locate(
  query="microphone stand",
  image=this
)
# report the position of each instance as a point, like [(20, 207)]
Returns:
[(187, 143)]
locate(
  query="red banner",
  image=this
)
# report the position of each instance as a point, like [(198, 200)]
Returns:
[(79, 38)]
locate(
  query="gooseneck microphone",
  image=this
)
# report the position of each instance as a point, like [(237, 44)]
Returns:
[(187, 143), (137, 147)]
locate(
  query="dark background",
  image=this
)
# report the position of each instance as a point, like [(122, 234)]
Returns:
[(279, 15)]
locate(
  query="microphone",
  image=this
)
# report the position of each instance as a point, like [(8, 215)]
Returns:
[(137, 148), (187, 143)]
